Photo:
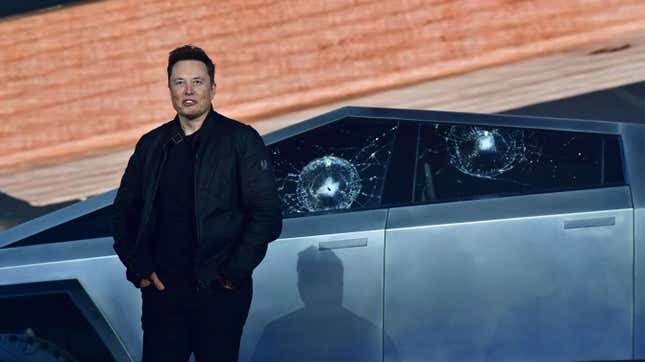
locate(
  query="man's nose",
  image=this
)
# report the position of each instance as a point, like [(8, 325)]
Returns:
[(188, 89)]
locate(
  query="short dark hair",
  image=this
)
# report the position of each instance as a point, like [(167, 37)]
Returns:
[(191, 52)]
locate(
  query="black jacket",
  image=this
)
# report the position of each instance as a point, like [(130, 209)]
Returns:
[(237, 208)]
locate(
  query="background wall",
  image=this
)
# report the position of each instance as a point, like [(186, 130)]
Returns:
[(81, 83), (91, 77)]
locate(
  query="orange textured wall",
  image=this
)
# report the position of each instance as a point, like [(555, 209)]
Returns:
[(90, 77)]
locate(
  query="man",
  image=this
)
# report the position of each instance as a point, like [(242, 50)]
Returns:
[(195, 211)]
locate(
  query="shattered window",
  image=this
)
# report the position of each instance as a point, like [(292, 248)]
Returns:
[(465, 161), (339, 166)]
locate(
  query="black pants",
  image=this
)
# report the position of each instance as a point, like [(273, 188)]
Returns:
[(206, 321)]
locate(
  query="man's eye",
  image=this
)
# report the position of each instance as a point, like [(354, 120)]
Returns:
[(197, 82), (179, 82)]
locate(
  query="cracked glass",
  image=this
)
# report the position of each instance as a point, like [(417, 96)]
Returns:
[(339, 166), (469, 161)]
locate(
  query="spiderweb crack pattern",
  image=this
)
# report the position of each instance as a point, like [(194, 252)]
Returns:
[(318, 175), (467, 160), (485, 153)]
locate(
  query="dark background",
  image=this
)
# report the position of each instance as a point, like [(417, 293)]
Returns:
[(9, 8)]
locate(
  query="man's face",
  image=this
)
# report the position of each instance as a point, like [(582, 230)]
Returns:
[(191, 90)]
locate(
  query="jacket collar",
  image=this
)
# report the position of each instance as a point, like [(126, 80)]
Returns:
[(176, 133)]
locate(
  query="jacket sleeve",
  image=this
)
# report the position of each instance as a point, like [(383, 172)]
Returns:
[(128, 205), (260, 205)]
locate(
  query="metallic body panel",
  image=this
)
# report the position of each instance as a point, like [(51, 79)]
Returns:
[(56, 218), (319, 305), (639, 279), (446, 280), (73, 290), (511, 288), (57, 252), (633, 137), (514, 206), (102, 279), (332, 223)]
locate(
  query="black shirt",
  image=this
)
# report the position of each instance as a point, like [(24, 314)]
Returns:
[(175, 235)]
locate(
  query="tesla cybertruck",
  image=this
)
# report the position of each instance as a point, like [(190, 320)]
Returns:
[(408, 236)]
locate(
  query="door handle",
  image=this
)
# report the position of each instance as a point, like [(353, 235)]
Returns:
[(590, 223), (342, 244)]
